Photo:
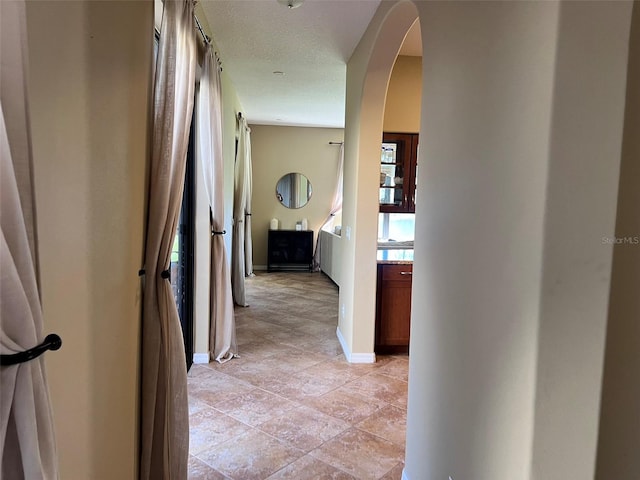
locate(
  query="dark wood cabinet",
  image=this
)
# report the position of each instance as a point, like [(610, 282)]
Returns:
[(290, 250), (393, 308), (398, 168)]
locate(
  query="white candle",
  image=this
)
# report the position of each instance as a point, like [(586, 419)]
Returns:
[(274, 224)]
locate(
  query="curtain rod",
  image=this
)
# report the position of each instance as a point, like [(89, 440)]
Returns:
[(205, 37)]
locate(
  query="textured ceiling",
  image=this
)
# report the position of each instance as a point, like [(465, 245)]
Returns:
[(311, 44)]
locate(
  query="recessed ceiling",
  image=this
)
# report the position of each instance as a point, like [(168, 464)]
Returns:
[(311, 44)]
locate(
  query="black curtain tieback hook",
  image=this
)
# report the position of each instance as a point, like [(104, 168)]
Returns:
[(141, 272), (166, 274), (51, 342), (223, 232)]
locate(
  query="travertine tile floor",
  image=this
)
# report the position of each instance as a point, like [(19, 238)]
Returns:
[(292, 407)]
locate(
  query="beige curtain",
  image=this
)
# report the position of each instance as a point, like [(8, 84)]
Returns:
[(248, 240), (164, 406), (336, 206), (241, 201), (222, 327), (27, 446)]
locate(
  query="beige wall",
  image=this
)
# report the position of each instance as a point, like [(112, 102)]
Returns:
[(276, 151), (404, 96), (478, 248), (619, 436), (90, 66), (584, 166), (522, 148)]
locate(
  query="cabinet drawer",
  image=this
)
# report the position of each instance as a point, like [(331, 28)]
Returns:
[(397, 272)]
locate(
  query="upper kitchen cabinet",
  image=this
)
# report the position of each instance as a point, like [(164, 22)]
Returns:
[(398, 165)]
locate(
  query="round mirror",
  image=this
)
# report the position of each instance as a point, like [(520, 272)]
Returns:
[(293, 190)]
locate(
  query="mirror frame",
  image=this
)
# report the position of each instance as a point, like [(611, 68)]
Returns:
[(281, 194)]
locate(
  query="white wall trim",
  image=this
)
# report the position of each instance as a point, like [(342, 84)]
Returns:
[(259, 268), (363, 358), (354, 357), (343, 344), (201, 357)]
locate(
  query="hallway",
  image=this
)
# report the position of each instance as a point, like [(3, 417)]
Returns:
[(291, 407)]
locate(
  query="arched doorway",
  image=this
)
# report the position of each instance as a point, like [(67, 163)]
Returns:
[(368, 74)]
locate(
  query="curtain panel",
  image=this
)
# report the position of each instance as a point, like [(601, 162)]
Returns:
[(336, 206), (27, 441), (164, 435), (248, 239), (241, 241), (222, 328)]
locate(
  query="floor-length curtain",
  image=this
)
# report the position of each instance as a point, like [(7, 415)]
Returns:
[(248, 239), (336, 206), (165, 422), (240, 195), (222, 327), (27, 445)]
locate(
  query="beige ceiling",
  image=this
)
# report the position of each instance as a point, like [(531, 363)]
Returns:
[(311, 44)]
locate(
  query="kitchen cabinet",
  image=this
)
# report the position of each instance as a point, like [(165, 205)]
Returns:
[(398, 168), (393, 308)]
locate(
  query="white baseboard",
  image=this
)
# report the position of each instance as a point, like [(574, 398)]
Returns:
[(404, 475), (354, 357), (343, 344), (201, 358), (363, 358), (259, 268)]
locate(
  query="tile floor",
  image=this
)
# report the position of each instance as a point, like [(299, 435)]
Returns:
[(292, 407)]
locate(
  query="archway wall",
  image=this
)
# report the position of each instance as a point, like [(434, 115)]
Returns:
[(584, 161), (619, 434), (522, 122), (368, 73), (521, 141), (488, 80)]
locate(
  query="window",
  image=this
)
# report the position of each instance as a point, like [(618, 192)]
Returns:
[(396, 226)]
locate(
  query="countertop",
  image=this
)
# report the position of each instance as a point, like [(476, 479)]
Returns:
[(402, 256)]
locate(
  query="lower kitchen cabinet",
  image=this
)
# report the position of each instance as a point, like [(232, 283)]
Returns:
[(393, 308)]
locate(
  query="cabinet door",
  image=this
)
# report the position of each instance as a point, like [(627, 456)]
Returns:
[(398, 160), (393, 312), (413, 180)]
